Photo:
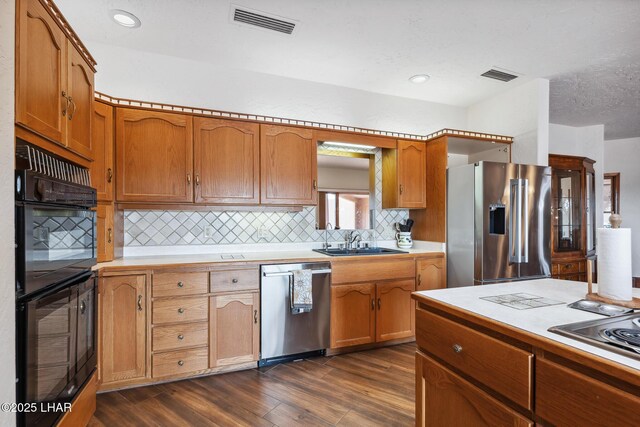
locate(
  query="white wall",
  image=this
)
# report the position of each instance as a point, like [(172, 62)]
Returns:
[(587, 141), (343, 179), (131, 74), (521, 112), (622, 155), (7, 262)]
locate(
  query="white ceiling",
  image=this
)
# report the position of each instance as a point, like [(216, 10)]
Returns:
[(375, 45)]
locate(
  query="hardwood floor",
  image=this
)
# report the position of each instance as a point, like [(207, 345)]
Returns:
[(370, 388)]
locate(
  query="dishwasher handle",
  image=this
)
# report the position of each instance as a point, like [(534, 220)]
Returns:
[(290, 273)]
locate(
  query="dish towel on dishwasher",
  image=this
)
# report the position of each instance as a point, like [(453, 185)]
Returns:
[(301, 291)]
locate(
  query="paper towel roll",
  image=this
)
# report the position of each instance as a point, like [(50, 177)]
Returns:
[(614, 263)]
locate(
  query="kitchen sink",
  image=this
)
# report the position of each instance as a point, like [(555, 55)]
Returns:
[(361, 251)]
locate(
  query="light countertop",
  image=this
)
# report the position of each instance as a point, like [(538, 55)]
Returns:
[(534, 320), (263, 255)]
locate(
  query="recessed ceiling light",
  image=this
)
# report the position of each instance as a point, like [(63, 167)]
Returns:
[(419, 78), (124, 18)]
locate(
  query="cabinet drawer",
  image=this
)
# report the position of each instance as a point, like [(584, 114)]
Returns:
[(180, 310), (502, 367), (235, 280), (567, 397), (173, 337), (179, 362), (178, 284), (569, 267)]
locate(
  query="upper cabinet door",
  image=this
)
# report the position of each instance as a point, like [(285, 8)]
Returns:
[(40, 75), (102, 145), (412, 166), (154, 156), (288, 165), (227, 161), (79, 115)]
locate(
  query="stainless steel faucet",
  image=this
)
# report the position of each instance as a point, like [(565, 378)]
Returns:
[(326, 232)]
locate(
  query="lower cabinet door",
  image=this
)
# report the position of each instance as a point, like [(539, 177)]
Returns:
[(395, 310), (123, 328), (431, 274), (445, 399), (234, 329), (353, 314)]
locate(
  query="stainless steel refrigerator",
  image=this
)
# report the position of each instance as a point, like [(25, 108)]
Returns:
[(498, 223)]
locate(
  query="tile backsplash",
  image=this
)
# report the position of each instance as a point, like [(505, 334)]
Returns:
[(169, 228)]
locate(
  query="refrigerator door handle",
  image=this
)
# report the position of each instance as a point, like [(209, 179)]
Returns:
[(515, 235), (524, 210)]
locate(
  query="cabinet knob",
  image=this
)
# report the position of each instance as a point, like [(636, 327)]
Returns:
[(401, 188), (180, 285), (255, 316), (457, 348), (180, 362), (181, 310), (315, 184), (180, 337), (139, 302), (373, 304), (234, 280), (109, 175), (379, 303)]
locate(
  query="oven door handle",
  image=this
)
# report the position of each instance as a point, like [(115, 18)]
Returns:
[(43, 293)]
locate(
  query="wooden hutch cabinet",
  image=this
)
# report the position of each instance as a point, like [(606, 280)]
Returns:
[(573, 225)]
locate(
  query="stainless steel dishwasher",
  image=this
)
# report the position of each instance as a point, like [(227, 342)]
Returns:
[(286, 334)]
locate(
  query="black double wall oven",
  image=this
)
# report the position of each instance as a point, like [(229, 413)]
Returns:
[(56, 291)]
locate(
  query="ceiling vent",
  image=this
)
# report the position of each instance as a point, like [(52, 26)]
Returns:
[(245, 16), (499, 75)]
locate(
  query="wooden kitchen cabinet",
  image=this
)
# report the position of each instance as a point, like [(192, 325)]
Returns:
[(105, 232), (395, 310), (446, 399), (102, 145), (234, 328), (353, 314), (431, 273), (288, 166), (41, 70), (404, 175), (122, 328), (154, 156), (226, 161), (54, 82), (81, 94)]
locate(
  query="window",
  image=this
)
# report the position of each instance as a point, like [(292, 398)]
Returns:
[(611, 196)]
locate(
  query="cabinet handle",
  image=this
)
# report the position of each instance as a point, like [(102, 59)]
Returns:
[(234, 280), (189, 178), (180, 362), (180, 285), (180, 337), (109, 175), (255, 316), (73, 111), (457, 348), (181, 310), (401, 188), (139, 302), (379, 304), (315, 184), (66, 107), (419, 279), (373, 304), (109, 235), (197, 179)]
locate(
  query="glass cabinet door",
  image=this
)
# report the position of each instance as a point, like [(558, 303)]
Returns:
[(567, 214)]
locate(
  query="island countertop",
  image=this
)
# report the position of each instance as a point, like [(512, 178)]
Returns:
[(530, 323)]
